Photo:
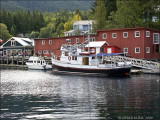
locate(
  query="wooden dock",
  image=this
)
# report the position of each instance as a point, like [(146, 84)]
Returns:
[(18, 60)]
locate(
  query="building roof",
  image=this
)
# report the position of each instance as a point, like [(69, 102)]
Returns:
[(71, 31), (96, 44), (22, 41), (83, 22), (122, 29)]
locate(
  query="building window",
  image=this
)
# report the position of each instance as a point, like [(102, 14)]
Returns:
[(114, 35), (147, 49), (19, 51), (157, 48), (43, 42), (51, 51), (125, 34), (13, 43), (93, 39), (155, 38), (137, 33), (50, 41), (45, 51), (68, 40), (147, 33), (39, 52), (125, 50), (137, 50), (77, 40), (104, 35)]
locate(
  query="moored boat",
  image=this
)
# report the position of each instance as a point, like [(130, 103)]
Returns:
[(37, 63), (89, 58)]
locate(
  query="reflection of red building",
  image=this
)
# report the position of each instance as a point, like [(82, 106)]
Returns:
[(137, 42)]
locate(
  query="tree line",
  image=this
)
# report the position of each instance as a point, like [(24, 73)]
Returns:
[(107, 14), (37, 24), (22, 21), (113, 14)]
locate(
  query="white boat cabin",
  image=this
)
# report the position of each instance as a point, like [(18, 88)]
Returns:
[(85, 55)]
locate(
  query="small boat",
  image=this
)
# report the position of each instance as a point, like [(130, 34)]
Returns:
[(88, 59), (37, 63)]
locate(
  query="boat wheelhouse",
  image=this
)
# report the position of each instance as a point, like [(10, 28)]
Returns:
[(37, 63)]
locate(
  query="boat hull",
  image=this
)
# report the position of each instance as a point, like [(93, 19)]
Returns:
[(36, 67), (104, 71)]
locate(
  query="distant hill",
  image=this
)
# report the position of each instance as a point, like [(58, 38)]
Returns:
[(46, 5)]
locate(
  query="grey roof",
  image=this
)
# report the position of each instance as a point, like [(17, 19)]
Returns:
[(83, 22)]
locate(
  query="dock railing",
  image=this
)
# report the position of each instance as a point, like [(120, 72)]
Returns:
[(136, 62)]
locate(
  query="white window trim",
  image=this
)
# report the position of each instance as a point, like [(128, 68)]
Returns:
[(13, 43), (148, 49), (45, 51), (39, 52), (43, 42), (113, 35), (136, 51), (153, 38), (125, 36), (124, 50), (77, 40), (136, 32), (50, 42), (93, 39), (147, 32), (103, 35)]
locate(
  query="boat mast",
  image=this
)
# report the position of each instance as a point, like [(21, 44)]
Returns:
[(88, 40)]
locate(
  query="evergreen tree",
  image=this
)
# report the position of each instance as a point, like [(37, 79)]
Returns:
[(12, 31), (131, 14), (109, 4), (99, 16)]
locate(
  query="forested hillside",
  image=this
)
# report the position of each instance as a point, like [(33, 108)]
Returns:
[(50, 18), (46, 5)]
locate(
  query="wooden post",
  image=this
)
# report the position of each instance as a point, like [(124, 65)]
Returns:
[(12, 59), (17, 59), (7, 59), (22, 59)]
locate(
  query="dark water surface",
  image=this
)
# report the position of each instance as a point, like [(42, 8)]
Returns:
[(37, 95)]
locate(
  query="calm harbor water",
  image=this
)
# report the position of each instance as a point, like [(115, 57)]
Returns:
[(36, 95)]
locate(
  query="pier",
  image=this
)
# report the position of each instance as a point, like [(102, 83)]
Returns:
[(18, 60)]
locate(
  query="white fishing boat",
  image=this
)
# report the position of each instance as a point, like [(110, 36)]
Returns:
[(37, 63), (88, 58)]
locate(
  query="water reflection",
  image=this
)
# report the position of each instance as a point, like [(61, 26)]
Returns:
[(44, 95)]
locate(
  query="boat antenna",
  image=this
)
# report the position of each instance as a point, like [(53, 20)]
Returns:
[(88, 39)]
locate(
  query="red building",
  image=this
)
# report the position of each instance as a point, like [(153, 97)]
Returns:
[(141, 42)]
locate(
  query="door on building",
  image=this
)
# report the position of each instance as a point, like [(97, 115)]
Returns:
[(109, 50), (85, 61)]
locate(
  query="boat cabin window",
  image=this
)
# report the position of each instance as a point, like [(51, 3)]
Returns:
[(38, 61), (30, 61), (93, 57), (34, 61), (102, 50), (74, 58), (66, 53)]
